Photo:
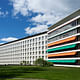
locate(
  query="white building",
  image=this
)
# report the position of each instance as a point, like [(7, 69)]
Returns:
[(26, 49)]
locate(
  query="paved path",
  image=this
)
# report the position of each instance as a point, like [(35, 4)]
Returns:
[(27, 79)]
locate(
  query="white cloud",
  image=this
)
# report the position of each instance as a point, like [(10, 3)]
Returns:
[(20, 6), (8, 39), (2, 13), (49, 18), (52, 11), (40, 6), (6, 13), (46, 6), (37, 29), (43, 6)]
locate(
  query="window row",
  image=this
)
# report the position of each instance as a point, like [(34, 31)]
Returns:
[(63, 35), (66, 27)]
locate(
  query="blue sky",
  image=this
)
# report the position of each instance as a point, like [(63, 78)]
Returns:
[(20, 18)]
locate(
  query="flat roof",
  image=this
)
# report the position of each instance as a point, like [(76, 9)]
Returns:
[(23, 38), (71, 16)]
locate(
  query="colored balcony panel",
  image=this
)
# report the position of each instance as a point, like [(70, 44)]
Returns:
[(62, 61), (62, 54), (62, 48), (66, 56), (62, 41)]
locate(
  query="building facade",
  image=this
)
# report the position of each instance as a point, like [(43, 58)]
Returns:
[(64, 41), (26, 49)]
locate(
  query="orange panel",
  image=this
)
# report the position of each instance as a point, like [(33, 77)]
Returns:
[(62, 41), (62, 54)]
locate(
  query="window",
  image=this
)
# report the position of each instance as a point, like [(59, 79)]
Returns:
[(42, 52), (39, 48), (39, 38), (66, 27), (30, 40), (46, 42), (45, 37), (63, 35), (33, 40), (42, 42), (42, 37), (43, 57), (39, 43), (39, 52), (78, 21), (42, 47)]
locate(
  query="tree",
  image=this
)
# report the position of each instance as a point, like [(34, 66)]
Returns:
[(42, 62), (39, 62)]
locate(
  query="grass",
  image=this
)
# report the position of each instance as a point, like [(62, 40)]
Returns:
[(48, 73)]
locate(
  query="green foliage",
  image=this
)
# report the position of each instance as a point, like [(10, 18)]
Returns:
[(39, 62), (42, 62), (24, 63)]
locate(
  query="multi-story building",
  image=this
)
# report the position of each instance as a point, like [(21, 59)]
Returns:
[(26, 49), (64, 41)]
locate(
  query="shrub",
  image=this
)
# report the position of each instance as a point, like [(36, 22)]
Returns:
[(42, 62), (24, 63)]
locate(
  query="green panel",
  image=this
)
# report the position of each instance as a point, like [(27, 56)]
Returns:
[(62, 61), (61, 48)]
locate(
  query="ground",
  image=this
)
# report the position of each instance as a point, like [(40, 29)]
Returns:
[(36, 73)]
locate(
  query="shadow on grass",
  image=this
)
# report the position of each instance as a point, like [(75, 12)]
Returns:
[(13, 72), (3, 76)]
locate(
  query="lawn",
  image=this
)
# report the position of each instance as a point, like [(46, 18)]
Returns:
[(48, 73)]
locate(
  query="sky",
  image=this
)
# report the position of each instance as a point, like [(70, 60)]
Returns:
[(21, 18)]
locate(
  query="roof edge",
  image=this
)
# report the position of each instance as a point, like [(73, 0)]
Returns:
[(23, 38)]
